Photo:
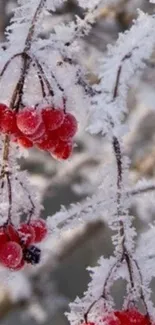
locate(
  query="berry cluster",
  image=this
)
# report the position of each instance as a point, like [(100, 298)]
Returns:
[(49, 129), (125, 317), (17, 244)]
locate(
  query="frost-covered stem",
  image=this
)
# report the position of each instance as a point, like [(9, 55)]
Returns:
[(9, 197), (18, 92), (144, 190), (126, 57), (29, 38), (118, 156), (41, 84), (8, 63), (141, 289), (120, 260), (43, 76), (5, 156), (32, 210), (104, 294)]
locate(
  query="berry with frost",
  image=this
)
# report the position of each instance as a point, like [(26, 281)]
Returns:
[(40, 229), (11, 254), (53, 118), (28, 121), (26, 233), (63, 150)]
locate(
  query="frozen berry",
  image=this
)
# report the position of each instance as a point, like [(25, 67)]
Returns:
[(19, 266), (53, 118), (28, 120), (3, 107), (69, 127), (25, 142), (12, 233), (10, 254), (47, 143), (128, 317), (3, 236), (63, 150), (40, 229), (32, 254), (39, 133), (26, 233), (132, 316), (7, 121)]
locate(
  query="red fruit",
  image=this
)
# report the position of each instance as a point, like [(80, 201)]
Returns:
[(53, 118), (69, 127), (10, 254), (39, 133), (63, 150), (47, 143), (12, 233), (19, 266), (28, 120), (7, 121), (40, 229), (127, 317), (2, 108), (17, 134), (25, 142), (3, 237), (132, 316), (26, 233)]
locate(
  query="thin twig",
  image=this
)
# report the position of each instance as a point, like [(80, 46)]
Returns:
[(32, 210), (30, 35), (143, 190), (8, 63), (43, 75), (9, 197), (126, 57)]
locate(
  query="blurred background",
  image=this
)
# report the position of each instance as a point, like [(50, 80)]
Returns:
[(41, 295)]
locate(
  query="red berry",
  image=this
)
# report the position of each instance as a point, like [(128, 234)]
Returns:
[(53, 118), (3, 236), (10, 254), (63, 150), (12, 233), (132, 316), (7, 121), (28, 120), (69, 127), (40, 229), (39, 134), (19, 266), (25, 142), (26, 233), (17, 134), (2, 108), (47, 143), (127, 317)]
